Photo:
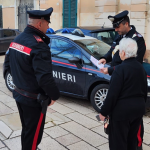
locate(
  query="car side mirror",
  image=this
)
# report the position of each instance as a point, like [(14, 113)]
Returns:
[(76, 60)]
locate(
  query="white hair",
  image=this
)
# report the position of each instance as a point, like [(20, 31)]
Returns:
[(33, 21), (129, 46)]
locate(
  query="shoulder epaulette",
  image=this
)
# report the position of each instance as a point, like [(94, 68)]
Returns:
[(138, 34)]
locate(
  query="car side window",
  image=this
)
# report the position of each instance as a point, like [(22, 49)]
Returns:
[(86, 61), (63, 49), (8, 33), (107, 37)]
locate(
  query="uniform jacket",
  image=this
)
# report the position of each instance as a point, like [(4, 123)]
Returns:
[(116, 58), (30, 63), (127, 92)]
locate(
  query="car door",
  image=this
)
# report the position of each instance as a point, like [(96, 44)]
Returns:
[(68, 77), (7, 36), (91, 71)]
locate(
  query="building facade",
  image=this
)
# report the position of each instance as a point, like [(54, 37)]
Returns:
[(71, 13)]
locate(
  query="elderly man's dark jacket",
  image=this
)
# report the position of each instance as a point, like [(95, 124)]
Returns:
[(127, 92), (31, 68), (116, 58)]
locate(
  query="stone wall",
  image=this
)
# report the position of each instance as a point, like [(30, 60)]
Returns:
[(139, 13), (8, 13), (89, 13)]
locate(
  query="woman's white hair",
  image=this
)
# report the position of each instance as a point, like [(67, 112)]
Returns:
[(129, 46)]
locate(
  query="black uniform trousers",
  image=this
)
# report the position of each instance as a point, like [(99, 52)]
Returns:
[(30, 118), (123, 134)]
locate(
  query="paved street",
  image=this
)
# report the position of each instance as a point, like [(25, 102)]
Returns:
[(70, 124)]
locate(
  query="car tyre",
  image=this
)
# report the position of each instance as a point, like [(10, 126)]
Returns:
[(9, 81), (98, 96)]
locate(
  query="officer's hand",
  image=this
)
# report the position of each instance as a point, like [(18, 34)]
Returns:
[(102, 117), (104, 70), (103, 61), (52, 102)]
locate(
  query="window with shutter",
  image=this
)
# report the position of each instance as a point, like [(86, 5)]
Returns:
[(69, 13), (1, 17)]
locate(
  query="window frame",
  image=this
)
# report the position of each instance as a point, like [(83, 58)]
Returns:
[(67, 41), (1, 17), (74, 44)]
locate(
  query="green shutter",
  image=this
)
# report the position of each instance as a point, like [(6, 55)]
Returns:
[(73, 12), (1, 17), (69, 13)]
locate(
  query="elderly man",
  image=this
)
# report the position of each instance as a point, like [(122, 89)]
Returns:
[(125, 101), (31, 69)]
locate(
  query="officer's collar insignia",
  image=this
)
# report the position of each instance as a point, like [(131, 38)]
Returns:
[(38, 39)]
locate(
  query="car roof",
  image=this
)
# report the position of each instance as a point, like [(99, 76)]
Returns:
[(8, 29), (92, 29), (17, 30), (72, 37)]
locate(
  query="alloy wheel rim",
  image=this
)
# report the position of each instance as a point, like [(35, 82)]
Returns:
[(100, 97)]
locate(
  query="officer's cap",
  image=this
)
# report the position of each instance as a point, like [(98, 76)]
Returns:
[(40, 14), (117, 19)]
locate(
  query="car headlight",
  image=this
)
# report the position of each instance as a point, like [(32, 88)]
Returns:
[(148, 81)]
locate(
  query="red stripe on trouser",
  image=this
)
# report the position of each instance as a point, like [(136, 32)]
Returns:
[(139, 137), (37, 132)]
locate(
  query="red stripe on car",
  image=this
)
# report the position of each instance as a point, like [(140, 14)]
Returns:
[(73, 65), (20, 48), (63, 63)]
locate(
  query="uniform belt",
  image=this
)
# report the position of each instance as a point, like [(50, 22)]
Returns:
[(26, 94)]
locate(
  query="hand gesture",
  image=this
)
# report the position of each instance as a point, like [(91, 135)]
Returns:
[(103, 61), (104, 70), (102, 117)]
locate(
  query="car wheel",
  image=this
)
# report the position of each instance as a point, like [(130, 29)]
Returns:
[(98, 96), (9, 81)]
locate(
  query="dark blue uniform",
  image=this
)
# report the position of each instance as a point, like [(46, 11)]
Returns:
[(31, 69), (116, 58), (125, 104), (30, 62)]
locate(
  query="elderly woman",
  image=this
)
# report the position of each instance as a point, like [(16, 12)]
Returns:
[(125, 101)]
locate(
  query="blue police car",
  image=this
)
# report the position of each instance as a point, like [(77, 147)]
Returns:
[(73, 69), (74, 72)]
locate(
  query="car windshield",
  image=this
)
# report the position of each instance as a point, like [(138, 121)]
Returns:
[(94, 47)]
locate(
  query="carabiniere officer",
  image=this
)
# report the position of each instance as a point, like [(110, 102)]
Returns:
[(121, 23), (31, 70)]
